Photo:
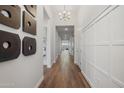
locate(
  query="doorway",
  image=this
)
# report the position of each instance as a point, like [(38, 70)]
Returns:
[(66, 33)]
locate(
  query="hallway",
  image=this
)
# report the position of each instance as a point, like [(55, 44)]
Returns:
[(64, 74), (62, 46)]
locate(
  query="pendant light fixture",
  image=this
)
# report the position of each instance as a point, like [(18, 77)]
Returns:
[(64, 15)]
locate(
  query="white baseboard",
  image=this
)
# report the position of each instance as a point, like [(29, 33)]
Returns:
[(85, 76), (39, 82)]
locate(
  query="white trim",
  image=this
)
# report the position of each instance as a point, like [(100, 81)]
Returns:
[(103, 14), (113, 79), (92, 21), (117, 82), (98, 69), (88, 80), (39, 82), (118, 43)]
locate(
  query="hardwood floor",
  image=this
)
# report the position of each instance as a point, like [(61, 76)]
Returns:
[(64, 74)]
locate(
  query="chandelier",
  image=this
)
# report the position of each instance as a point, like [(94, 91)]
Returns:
[(64, 15)]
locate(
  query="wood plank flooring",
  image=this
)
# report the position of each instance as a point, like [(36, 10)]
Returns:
[(64, 74)]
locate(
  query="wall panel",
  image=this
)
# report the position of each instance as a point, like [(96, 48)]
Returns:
[(103, 49)]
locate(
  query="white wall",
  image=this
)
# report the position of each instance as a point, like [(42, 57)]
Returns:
[(53, 40), (102, 45), (50, 36), (57, 45), (25, 71)]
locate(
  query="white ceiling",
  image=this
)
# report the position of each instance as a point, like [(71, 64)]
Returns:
[(59, 8), (65, 32)]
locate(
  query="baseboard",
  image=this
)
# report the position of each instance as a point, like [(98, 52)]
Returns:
[(39, 82), (85, 76)]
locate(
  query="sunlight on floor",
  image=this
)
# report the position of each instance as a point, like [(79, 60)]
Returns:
[(65, 59), (65, 56)]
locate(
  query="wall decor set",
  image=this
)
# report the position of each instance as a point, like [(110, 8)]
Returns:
[(10, 43)]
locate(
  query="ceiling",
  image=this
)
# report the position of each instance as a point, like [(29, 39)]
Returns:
[(65, 32), (56, 9)]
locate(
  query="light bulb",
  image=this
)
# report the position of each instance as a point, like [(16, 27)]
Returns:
[(60, 14), (64, 12), (69, 13)]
